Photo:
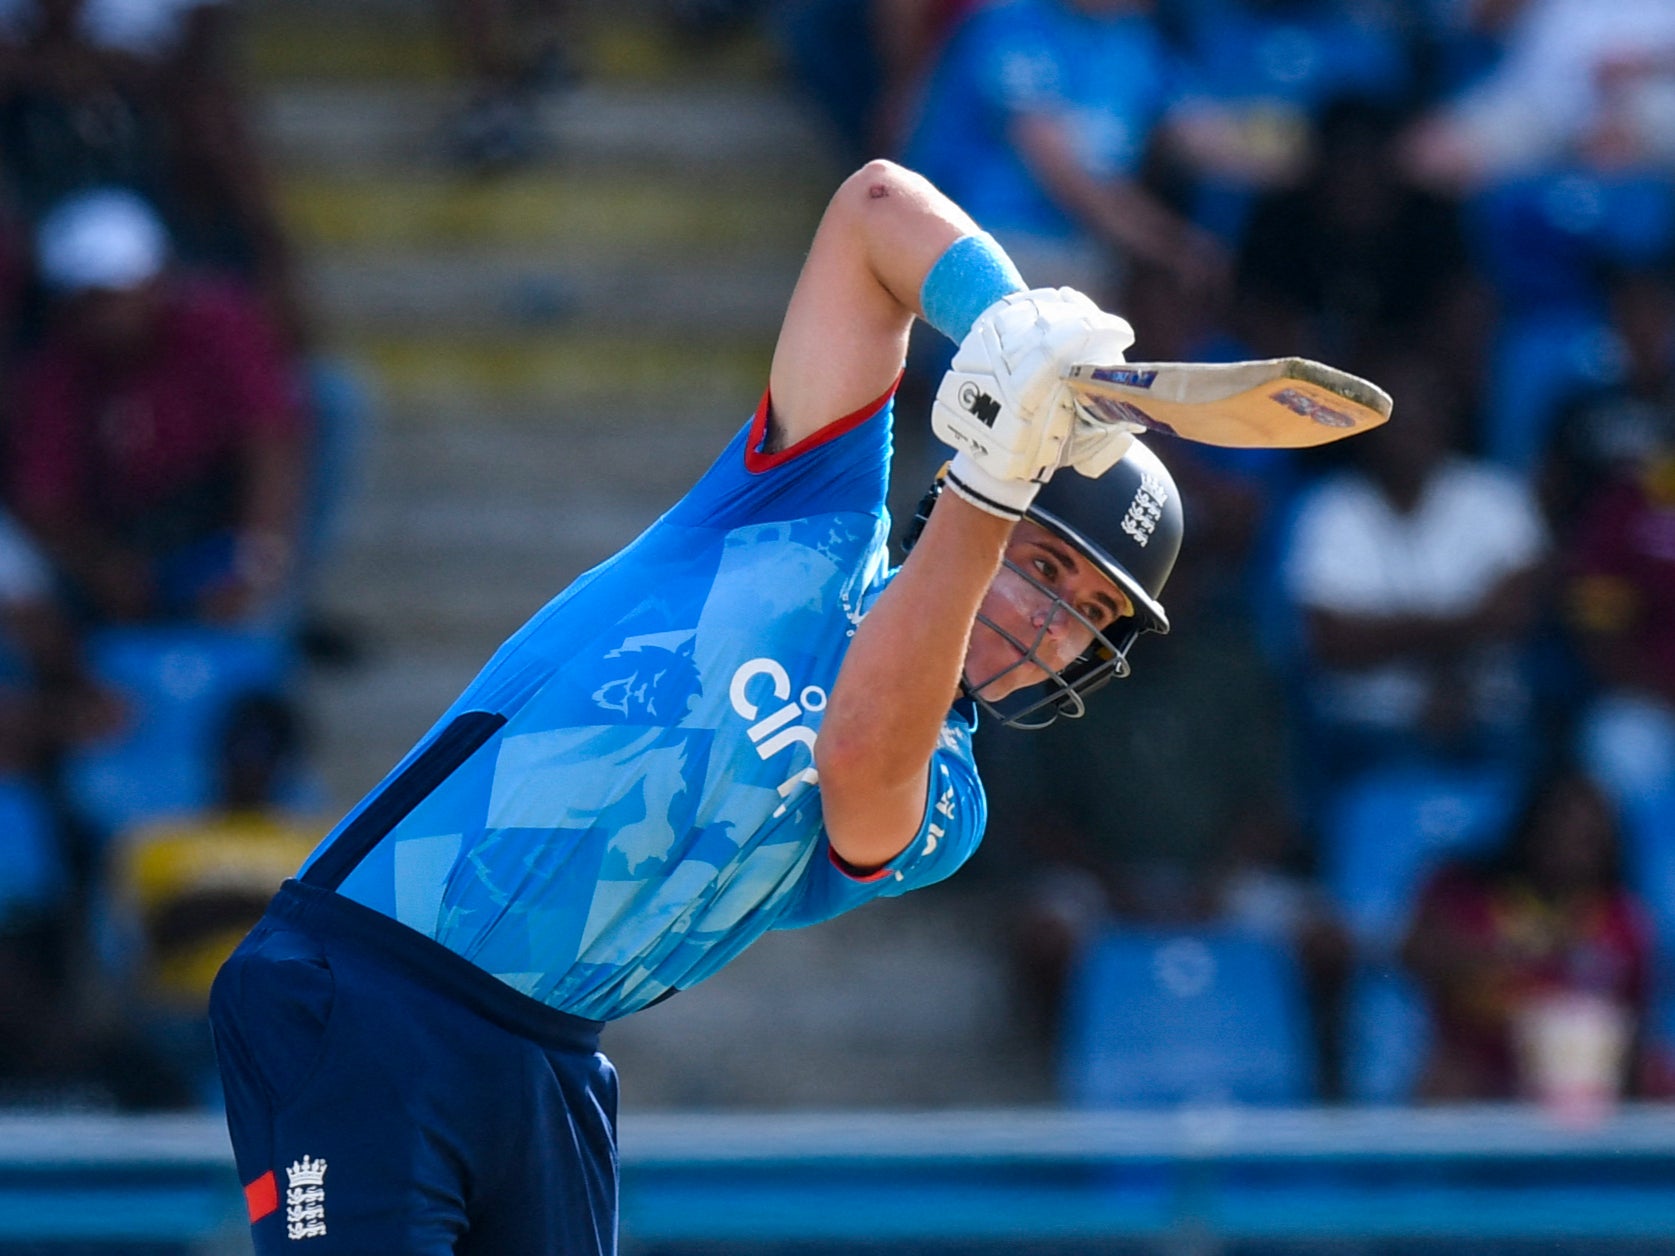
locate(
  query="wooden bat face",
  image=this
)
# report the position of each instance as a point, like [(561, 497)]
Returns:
[(1276, 403)]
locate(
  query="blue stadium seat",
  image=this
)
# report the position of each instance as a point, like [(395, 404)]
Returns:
[(1386, 1035), (1385, 832), (1163, 1018), (1538, 361), (1540, 240), (179, 682)]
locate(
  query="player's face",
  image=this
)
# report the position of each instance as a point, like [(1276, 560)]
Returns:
[(1041, 612)]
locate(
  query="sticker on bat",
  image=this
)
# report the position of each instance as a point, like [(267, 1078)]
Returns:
[(1110, 410), (1126, 376), (1309, 408)]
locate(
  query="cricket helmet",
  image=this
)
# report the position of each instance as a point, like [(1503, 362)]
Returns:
[(1128, 524)]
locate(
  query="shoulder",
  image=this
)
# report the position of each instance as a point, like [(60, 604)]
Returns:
[(842, 468)]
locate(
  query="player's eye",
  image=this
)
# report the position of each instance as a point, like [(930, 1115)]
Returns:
[(1047, 567)]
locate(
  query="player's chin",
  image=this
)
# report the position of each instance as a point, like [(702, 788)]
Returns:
[(1001, 670)]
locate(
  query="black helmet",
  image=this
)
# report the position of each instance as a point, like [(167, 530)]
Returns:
[(1128, 524)]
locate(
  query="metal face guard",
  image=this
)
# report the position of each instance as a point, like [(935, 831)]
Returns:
[(1105, 659)]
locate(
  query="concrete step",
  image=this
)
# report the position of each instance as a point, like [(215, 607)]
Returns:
[(693, 128), (561, 371), (402, 41), (705, 299), (666, 214), (650, 278)]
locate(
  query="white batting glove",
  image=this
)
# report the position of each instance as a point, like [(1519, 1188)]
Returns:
[(1003, 404), (1096, 445)]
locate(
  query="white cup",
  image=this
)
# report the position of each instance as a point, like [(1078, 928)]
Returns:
[(1572, 1051)]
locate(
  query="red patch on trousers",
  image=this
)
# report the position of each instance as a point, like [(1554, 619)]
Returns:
[(262, 1197)]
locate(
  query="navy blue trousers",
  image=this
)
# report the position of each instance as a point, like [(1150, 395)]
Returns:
[(385, 1096)]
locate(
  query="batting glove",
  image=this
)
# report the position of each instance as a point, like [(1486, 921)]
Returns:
[(1003, 404), (1096, 445)]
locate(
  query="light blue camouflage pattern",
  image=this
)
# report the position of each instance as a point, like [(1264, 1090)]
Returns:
[(650, 805)]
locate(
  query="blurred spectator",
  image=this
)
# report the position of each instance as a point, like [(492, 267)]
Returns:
[(1610, 495), (1354, 255), (1291, 59), (143, 94), (1546, 925), (73, 114), (1621, 595), (15, 268), (1579, 82), (40, 683), (185, 890), (1272, 68), (1415, 576), (48, 700), (862, 63), (512, 52), (159, 449), (1613, 429), (181, 29), (1452, 44), (1039, 117), (50, 1047)]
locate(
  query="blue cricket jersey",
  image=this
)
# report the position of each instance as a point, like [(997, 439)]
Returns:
[(625, 796)]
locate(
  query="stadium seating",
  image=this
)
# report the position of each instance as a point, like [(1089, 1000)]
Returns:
[(1384, 835), (1201, 1017), (178, 683), (1385, 832)]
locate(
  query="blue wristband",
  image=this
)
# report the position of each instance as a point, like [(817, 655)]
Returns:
[(970, 276)]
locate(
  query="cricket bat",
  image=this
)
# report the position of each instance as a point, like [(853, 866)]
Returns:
[(1276, 403)]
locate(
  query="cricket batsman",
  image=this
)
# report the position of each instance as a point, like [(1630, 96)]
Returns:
[(744, 721)]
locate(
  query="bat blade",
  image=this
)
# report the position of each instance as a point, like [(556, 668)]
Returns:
[(1276, 403)]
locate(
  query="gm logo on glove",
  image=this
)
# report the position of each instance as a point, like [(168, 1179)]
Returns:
[(979, 404)]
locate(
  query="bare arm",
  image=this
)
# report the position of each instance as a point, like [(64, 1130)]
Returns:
[(844, 337), (841, 346), (901, 674)]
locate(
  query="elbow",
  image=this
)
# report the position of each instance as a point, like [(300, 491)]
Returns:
[(879, 189), (843, 758), (875, 180), (857, 765), (871, 808)]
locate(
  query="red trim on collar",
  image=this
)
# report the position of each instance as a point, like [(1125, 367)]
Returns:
[(855, 874), (757, 462)]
